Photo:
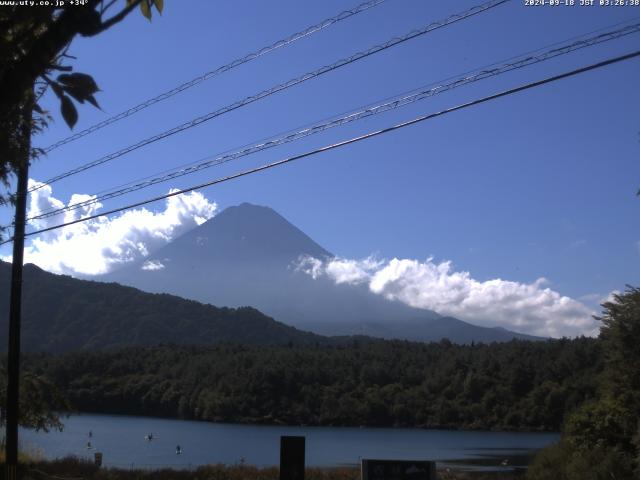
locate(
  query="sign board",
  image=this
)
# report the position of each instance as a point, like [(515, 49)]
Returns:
[(97, 457), (292, 458), (397, 470)]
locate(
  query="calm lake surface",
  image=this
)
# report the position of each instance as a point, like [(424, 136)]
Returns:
[(121, 439)]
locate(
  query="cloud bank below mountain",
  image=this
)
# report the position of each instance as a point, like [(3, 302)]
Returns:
[(532, 308), (101, 245)]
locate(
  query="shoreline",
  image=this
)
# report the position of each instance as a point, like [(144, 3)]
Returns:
[(310, 425), (121, 439)]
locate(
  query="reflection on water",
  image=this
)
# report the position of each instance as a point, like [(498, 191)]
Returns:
[(124, 442), (493, 459)]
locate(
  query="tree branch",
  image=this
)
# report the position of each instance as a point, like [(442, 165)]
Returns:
[(44, 49), (104, 8), (116, 18)]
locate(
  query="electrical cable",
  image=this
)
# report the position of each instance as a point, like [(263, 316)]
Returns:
[(222, 69), (277, 88), (333, 146), (391, 104)]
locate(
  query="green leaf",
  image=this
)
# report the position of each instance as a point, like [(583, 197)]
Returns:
[(80, 82), (93, 102), (80, 87), (145, 9), (76, 93), (68, 110), (159, 5), (57, 89)]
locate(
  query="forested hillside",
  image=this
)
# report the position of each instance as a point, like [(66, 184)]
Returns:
[(61, 313), (518, 385)]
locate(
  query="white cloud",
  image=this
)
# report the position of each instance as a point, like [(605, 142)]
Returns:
[(597, 299), (529, 308), (310, 265), (99, 245), (590, 297), (152, 265), (350, 271), (611, 298)]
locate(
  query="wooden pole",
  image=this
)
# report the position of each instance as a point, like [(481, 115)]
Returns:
[(15, 306)]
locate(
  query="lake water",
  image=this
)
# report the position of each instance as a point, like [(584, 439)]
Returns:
[(121, 439)]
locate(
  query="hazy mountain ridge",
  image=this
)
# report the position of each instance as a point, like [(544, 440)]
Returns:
[(247, 255), (61, 313), (431, 330)]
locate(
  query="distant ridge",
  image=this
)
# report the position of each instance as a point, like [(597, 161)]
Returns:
[(63, 314), (247, 255)]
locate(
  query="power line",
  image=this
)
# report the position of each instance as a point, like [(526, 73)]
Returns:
[(345, 142), (218, 71), (466, 73), (278, 88), (391, 104)]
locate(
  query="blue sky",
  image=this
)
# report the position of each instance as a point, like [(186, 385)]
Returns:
[(539, 184)]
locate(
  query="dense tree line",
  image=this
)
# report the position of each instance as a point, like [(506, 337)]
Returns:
[(601, 439), (518, 385)]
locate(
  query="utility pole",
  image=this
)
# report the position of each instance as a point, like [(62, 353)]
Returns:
[(15, 306)]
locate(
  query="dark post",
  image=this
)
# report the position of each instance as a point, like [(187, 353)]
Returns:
[(292, 458), (13, 358)]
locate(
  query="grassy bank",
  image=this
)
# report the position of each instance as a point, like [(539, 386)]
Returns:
[(79, 469)]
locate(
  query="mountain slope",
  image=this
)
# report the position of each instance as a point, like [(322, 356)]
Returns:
[(61, 313), (247, 255), (428, 330)]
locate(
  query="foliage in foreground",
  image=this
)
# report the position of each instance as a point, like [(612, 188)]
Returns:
[(74, 468), (563, 461), (601, 439), (40, 400), (518, 385), (34, 40)]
